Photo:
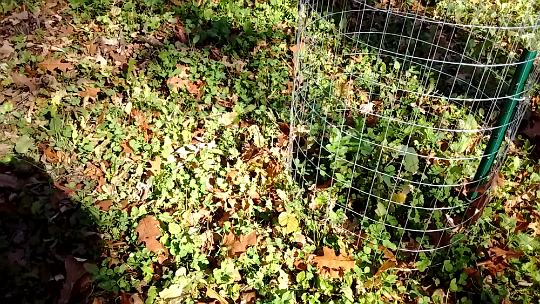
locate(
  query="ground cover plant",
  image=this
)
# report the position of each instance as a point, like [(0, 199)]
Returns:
[(149, 140)]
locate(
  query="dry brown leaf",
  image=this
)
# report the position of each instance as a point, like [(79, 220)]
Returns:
[(118, 57), (92, 171), (50, 155), (52, 64), (97, 301), (90, 93), (248, 297), (214, 295), (155, 165), (535, 227), (179, 81), (243, 241), (6, 49), (22, 80), (75, 273), (193, 218), (180, 33), (390, 263), (228, 240), (104, 205), (209, 240), (297, 47), (148, 230), (231, 177), (343, 261), (67, 190), (496, 252)]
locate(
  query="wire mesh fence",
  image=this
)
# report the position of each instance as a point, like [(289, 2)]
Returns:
[(402, 116)]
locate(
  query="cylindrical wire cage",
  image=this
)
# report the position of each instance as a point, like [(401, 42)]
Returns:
[(396, 114)]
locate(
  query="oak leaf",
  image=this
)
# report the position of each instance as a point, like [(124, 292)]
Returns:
[(179, 81), (104, 205), (148, 230), (22, 80), (52, 64), (90, 93), (329, 259)]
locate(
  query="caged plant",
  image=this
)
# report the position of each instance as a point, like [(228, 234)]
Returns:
[(394, 115)]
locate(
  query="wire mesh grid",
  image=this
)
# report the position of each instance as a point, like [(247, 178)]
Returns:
[(393, 111)]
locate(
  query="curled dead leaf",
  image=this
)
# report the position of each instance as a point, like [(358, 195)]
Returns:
[(214, 295)]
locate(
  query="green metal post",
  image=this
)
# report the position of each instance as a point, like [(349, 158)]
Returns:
[(516, 89)]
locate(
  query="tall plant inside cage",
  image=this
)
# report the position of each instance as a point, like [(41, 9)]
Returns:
[(403, 114)]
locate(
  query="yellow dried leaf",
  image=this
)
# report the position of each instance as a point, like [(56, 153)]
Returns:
[(258, 139), (289, 221), (227, 118)]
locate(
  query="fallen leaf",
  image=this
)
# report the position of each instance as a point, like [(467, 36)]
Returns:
[(301, 46), (496, 252), (8, 181), (118, 57), (22, 80), (193, 218), (214, 295), (135, 299), (228, 240), (74, 271), (173, 291), (92, 171), (535, 227), (155, 165), (227, 118), (248, 297), (390, 263), (239, 243), (258, 139), (65, 31), (341, 262), (180, 34), (104, 205), (231, 176), (148, 230), (50, 155), (6, 50), (179, 81), (89, 93), (289, 221), (53, 64)]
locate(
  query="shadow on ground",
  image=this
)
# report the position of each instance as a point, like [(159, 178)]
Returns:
[(45, 239)]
